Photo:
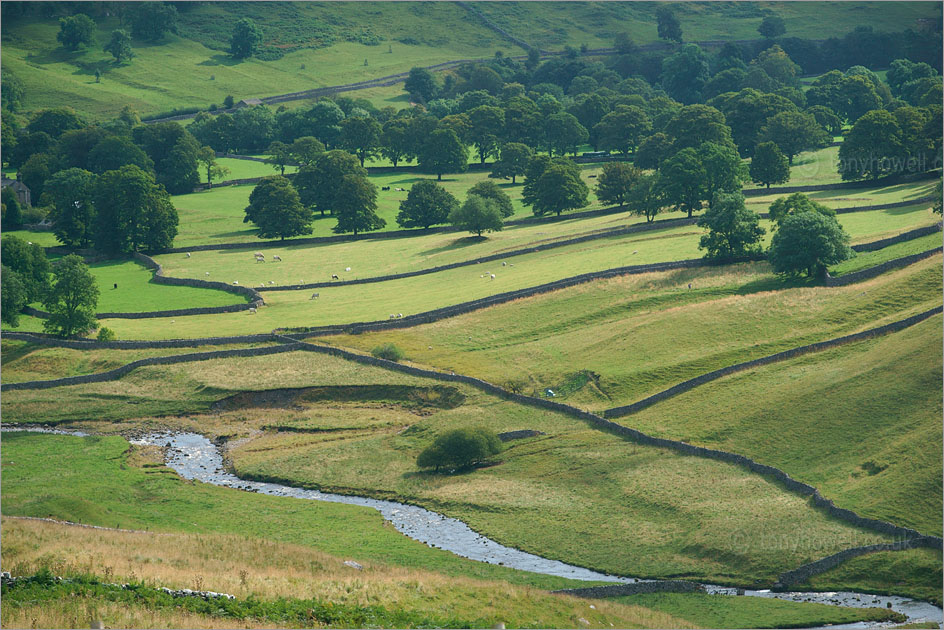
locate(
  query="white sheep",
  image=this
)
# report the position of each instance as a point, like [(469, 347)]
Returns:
[(188, 254), (206, 273), (314, 296), (235, 281), (504, 263), (635, 251), (277, 257), (334, 276), (393, 316), (399, 315), (347, 269), (252, 311), (492, 276)]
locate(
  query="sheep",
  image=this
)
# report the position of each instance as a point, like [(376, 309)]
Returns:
[(393, 316), (188, 254), (235, 281), (271, 282), (252, 311), (635, 251), (334, 276), (260, 259), (492, 276), (399, 315), (504, 264), (314, 296), (347, 269), (277, 257), (207, 273)]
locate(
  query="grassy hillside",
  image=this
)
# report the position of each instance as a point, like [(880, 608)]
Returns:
[(568, 494), (327, 43)]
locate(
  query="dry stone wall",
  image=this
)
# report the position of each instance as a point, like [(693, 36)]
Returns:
[(635, 588)]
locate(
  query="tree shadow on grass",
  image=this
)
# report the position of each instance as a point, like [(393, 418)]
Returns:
[(221, 60), (459, 243)]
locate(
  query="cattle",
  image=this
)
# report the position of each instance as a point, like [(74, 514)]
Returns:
[(385, 188)]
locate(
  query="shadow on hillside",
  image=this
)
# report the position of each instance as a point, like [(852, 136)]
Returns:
[(221, 60), (459, 243)]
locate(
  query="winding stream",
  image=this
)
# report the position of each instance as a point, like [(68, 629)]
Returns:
[(195, 457)]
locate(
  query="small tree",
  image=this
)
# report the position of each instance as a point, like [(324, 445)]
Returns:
[(490, 190), (443, 152), (769, 165), (460, 449), (356, 206), (772, 26), (119, 46), (615, 182), (426, 204), (13, 213), (13, 296), (421, 85), (647, 197), (280, 155), (387, 351), (810, 242), (71, 299), (207, 158), (75, 30), (477, 215), (276, 210), (245, 39), (733, 229), (513, 161), (668, 25)]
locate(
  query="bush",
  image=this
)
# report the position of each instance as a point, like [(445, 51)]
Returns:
[(387, 351), (106, 334), (459, 449)]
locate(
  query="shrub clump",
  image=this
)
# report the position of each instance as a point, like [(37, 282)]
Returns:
[(106, 334), (388, 351), (460, 449)]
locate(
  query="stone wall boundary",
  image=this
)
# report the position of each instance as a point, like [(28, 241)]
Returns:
[(806, 571), (904, 236), (118, 372), (603, 424), (93, 344), (888, 180), (871, 272), (690, 384)]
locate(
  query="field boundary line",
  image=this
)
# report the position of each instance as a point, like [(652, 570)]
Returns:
[(692, 383), (602, 423)]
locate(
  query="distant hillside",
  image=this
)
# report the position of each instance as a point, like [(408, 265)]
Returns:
[(309, 45)]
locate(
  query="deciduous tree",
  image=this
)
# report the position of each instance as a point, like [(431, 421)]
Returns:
[(443, 152), (133, 212), (733, 229), (119, 46), (512, 161), (317, 184), (356, 206), (275, 209), (75, 30), (808, 242), (616, 181), (426, 204), (477, 215), (71, 298), (72, 193), (245, 39), (491, 191), (769, 165)]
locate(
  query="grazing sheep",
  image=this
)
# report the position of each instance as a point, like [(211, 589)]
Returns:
[(260, 259), (492, 276), (235, 281), (206, 273), (252, 311), (504, 263), (399, 315), (277, 257), (347, 269), (271, 282), (314, 296), (334, 276), (392, 316), (188, 254), (635, 251)]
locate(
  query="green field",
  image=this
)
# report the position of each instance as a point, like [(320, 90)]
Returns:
[(529, 501), (621, 330), (192, 69), (864, 260)]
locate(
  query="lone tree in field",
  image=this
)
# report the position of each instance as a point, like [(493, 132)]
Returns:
[(769, 165), (616, 181), (477, 215), (245, 39), (119, 46), (75, 30), (733, 230), (421, 85), (317, 184), (772, 26), (276, 210), (356, 206), (206, 156), (71, 298), (443, 152), (491, 191), (280, 156), (808, 242), (460, 449), (668, 25), (426, 204), (513, 161)]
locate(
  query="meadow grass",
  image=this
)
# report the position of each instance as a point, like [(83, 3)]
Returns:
[(720, 611), (864, 260), (42, 238), (862, 422), (673, 515), (244, 169), (855, 198), (912, 573), (556, 24), (23, 361), (418, 294), (250, 567), (612, 342)]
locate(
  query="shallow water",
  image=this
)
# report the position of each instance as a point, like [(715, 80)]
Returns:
[(193, 456)]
